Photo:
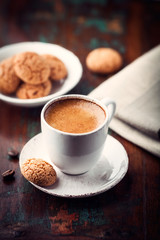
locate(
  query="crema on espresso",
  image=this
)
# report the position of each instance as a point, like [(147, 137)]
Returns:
[(75, 115)]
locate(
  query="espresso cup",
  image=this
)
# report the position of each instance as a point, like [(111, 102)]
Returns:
[(74, 130)]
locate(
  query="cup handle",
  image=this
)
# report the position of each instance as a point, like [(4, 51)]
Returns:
[(111, 107)]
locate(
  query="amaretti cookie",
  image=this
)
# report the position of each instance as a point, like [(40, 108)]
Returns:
[(28, 75), (9, 81), (30, 91), (104, 60), (39, 172), (58, 68), (31, 68)]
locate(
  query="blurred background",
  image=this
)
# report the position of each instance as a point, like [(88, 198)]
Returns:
[(131, 27)]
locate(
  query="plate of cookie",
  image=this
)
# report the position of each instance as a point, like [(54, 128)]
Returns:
[(32, 73)]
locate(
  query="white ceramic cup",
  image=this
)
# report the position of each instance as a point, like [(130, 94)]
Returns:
[(76, 153)]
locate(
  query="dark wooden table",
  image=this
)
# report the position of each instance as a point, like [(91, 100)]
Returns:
[(130, 210)]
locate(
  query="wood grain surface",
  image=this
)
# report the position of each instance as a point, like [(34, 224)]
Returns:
[(130, 210)]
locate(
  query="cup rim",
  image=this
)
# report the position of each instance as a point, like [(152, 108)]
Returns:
[(74, 96)]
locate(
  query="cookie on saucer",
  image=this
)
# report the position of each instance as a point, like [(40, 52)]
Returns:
[(104, 60), (39, 172), (8, 79), (58, 68), (31, 68)]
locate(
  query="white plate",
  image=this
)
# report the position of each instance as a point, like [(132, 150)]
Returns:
[(109, 170), (72, 63)]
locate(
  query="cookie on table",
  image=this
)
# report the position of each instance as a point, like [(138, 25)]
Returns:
[(31, 68), (39, 172), (30, 91), (8, 79), (104, 60), (58, 68)]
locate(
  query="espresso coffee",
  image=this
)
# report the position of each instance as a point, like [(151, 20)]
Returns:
[(75, 115)]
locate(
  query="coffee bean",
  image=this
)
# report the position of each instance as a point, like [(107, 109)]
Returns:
[(8, 174), (13, 153)]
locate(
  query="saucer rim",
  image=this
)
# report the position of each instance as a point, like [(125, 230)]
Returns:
[(112, 183)]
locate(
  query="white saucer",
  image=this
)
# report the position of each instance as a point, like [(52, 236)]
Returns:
[(109, 170)]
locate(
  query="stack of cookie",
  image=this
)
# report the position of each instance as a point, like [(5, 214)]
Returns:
[(30, 75)]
